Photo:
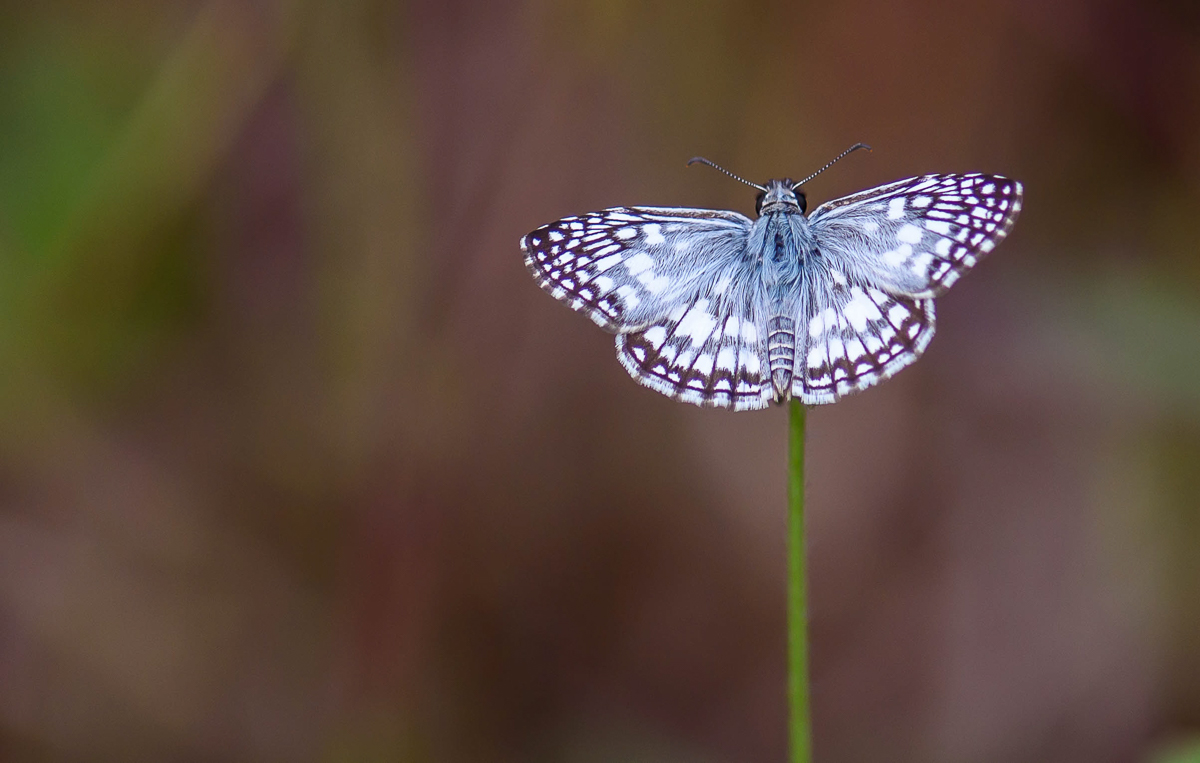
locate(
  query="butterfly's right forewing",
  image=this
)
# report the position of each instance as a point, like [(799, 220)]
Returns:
[(632, 266), (677, 286)]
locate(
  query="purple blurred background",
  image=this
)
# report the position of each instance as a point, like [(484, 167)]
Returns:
[(298, 464)]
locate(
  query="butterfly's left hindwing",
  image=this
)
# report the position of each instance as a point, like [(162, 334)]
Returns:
[(853, 335)]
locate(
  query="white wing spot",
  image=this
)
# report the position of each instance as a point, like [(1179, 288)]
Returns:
[(896, 208), (607, 262), (899, 255), (626, 233), (860, 309), (855, 350), (639, 262), (725, 358), (910, 234), (836, 349), (816, 358), (654, 284), (922, 201), (697, 324), (630, 296), (654, 234), (656, 336), (920, 264), (816, 326), (831, 318)]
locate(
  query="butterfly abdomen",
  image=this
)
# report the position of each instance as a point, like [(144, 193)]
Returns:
[(781, 353)]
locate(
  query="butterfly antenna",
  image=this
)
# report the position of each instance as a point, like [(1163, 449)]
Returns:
[(702, 160), (850, 150)]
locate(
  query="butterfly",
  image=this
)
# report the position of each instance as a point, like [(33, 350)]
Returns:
[(713, 308)]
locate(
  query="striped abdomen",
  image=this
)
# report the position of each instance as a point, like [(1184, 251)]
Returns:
[(781, 351)]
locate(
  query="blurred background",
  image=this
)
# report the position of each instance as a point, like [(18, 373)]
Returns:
[(298, 464)]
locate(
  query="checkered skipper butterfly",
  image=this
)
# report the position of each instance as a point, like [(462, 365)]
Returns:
[(713, 308)]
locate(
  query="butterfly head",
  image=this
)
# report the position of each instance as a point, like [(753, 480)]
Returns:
[(780, 196)]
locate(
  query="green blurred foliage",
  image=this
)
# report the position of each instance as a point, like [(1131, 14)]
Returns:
[(1180, 753)]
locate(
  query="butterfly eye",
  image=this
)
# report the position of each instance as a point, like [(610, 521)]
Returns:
[(758, 200), (802, 201)]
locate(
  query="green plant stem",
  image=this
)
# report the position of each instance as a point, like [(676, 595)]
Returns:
[(799, 717)]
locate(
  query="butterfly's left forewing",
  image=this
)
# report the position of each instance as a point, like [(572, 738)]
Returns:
[(916, 237), (677, 287)]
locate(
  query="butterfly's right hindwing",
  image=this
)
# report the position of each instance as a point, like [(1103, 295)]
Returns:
[(706, 353)]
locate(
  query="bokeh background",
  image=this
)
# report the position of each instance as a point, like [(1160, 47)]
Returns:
[(298, 464)]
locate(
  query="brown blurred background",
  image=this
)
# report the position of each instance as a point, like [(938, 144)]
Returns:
[(298, 464)]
